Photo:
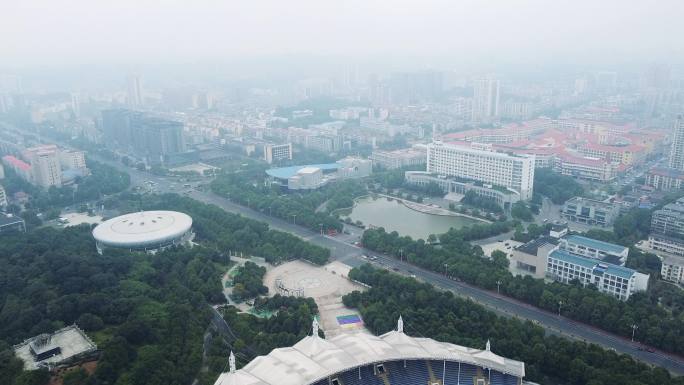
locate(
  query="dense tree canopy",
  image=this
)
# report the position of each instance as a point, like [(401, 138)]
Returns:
[(147, 313), (658, 326), (248, 282), (248, 189), (556, 187), (444, 317)]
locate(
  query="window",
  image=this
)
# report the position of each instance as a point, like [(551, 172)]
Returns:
[(379, 369), (335, 381)]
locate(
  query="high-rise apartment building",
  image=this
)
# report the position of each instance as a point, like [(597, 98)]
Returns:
[(512, 171), (135, 97), (45, 165), (676, 160), (485, 99), (142, 135), (3, 197), (73, 160), (158, 138), (117, 129)]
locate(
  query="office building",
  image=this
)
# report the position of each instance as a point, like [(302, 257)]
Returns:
[(511, 171), (618, 281), (485, 99), (593, 248), (277, 152), (590, 211), (676, 160), (3, 197), (391, 160), (667, 228)]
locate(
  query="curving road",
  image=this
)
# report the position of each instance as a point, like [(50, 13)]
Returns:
[(346, 252)]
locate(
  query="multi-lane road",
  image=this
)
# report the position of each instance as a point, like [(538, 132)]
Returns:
[(346, 252)]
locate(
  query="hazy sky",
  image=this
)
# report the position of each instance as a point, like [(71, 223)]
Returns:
[(39, 33)]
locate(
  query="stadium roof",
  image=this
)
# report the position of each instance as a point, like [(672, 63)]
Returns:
[(288, 172), (596, 244), (313, 358), (142, 228)]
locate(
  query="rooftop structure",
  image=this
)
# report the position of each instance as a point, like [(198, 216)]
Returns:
[(592, 248), (145, 230), (63, 347), (360, 358), (620, 282), (10, 222), (530, 258)]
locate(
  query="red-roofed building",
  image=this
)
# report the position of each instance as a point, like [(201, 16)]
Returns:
[(586, 168), (22, 168)]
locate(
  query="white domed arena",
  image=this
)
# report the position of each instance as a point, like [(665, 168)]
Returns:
[(361, 358), (145, 230)]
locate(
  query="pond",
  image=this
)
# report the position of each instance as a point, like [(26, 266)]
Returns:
[(394, 216)]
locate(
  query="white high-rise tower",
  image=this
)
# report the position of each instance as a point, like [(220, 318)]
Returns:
[(135, 98), (485, 99), (676, 160)]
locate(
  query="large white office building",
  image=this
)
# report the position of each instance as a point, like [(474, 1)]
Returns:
[(512, 171)]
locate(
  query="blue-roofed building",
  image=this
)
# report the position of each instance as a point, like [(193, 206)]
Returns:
[(593, 248), (618, 281)]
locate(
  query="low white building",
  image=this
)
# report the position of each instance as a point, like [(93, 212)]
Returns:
[(672, 268), (307, 178), (354, 167), (618, 281)]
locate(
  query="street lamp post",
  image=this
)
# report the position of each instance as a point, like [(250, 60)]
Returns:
[(498, 284), (560, 305), (321, 226), (446, 270), (401, 255), (634, 328), (294, 219)]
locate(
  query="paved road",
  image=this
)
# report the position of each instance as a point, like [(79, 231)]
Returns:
[(352, 255)]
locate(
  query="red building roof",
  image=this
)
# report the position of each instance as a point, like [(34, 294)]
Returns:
[(16, 163)]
